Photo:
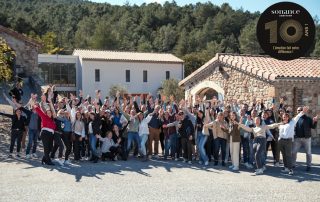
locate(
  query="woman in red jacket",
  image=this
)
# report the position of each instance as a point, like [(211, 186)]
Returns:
[(47, 130)]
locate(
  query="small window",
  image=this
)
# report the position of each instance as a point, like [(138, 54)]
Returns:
[(97, 75), (127, 75), (167, 75), (145, 76)]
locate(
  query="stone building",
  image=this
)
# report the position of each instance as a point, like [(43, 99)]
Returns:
[(249, 77), (26, 49)]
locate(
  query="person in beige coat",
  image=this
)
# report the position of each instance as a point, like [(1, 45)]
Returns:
[(218, 127)]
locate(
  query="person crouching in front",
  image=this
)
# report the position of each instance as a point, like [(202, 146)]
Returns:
[(109, 148)]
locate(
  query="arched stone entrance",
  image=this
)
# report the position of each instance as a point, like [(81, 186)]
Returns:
[(208, 89)]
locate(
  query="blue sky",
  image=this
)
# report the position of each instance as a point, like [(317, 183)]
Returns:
[(313, 6)]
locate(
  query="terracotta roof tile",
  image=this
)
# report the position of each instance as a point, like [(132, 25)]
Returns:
[(266, 67)]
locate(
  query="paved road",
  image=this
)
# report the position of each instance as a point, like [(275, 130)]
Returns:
[(27, 180)]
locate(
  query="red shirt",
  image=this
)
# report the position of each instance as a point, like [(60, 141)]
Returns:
[(46, 121)]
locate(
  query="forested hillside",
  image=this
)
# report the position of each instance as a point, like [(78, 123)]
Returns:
[(193, 32)]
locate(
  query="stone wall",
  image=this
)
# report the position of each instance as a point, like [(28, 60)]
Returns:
[(310, 96), (26, 53), (240, 86)]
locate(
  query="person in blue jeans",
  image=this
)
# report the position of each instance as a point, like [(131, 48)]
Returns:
[(33, 122), (202, 136), (133, 129)]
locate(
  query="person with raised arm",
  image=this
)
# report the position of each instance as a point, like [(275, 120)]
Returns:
[(218, 127), (302, 137), (286, 132), (48, 127)]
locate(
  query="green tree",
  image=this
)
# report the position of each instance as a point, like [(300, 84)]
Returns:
[(7, 56), (117, 88), (104, 37), (84, 33), (248, 39), (171, 87)]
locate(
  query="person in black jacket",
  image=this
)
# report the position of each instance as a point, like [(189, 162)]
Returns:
[(16, 92), (17, 128), (94, 132), (186, 131), (303, 137)]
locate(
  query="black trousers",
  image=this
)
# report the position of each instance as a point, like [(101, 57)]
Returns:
[(114, 151), (162, 141), (85, 147), (57, 138), (274, 148), (16, 135), (187, 148), (285, 146), (77, 147), (220, 143), (67, 140), (47, 141)]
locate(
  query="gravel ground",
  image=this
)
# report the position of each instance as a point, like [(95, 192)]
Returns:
[(28, 180)]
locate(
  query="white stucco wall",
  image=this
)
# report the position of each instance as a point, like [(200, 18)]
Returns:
[(113, 72)]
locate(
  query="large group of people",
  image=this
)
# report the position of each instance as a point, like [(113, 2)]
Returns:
[(124, 127)]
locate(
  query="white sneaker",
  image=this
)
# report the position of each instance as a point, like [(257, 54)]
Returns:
[(60, 162), (189, 162), (28, 156), (200, 162), (67, 162), (285, 170), (206, 163), (235, 168), (34, 155), (231, 166), (184, 160), (259, 171), (264, 168), (277, 164)]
